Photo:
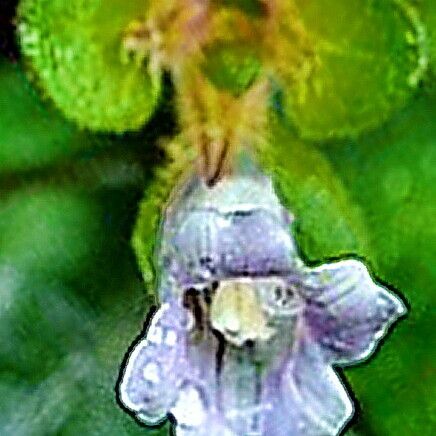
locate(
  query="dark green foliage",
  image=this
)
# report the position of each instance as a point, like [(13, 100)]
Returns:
[(71, 301), (8, 44), (31, 135), (250, 7)]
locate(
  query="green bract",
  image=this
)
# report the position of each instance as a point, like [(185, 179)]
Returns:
[(232, 67), (367, 65), (328, 224), (75, 50), (150, 212)]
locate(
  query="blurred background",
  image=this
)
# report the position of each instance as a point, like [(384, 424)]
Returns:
[(358, 153)]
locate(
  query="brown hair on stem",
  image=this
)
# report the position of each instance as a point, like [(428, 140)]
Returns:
[(214, 122)]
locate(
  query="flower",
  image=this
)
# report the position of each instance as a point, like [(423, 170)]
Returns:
[(246, 337)]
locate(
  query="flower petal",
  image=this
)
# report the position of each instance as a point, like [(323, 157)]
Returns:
[(248, 188), (152, 376), (214, 426), (209, 244), (346, 311), (305, 396), (257, 243)]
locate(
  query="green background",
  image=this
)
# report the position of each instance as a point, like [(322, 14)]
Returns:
[(360, 180)]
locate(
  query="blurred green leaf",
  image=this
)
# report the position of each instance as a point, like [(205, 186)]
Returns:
[(67, 279), (391, 175), (71, 303)]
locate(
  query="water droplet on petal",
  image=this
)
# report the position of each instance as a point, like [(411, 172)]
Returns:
[(151, 372), (170, 338), (301, 425), (155, 335), (190, 408)]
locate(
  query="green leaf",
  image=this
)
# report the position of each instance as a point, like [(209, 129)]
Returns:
[(391, 175), (75, 49), (367, 66)]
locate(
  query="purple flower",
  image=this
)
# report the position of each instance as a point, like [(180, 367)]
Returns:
[(246, 337)]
